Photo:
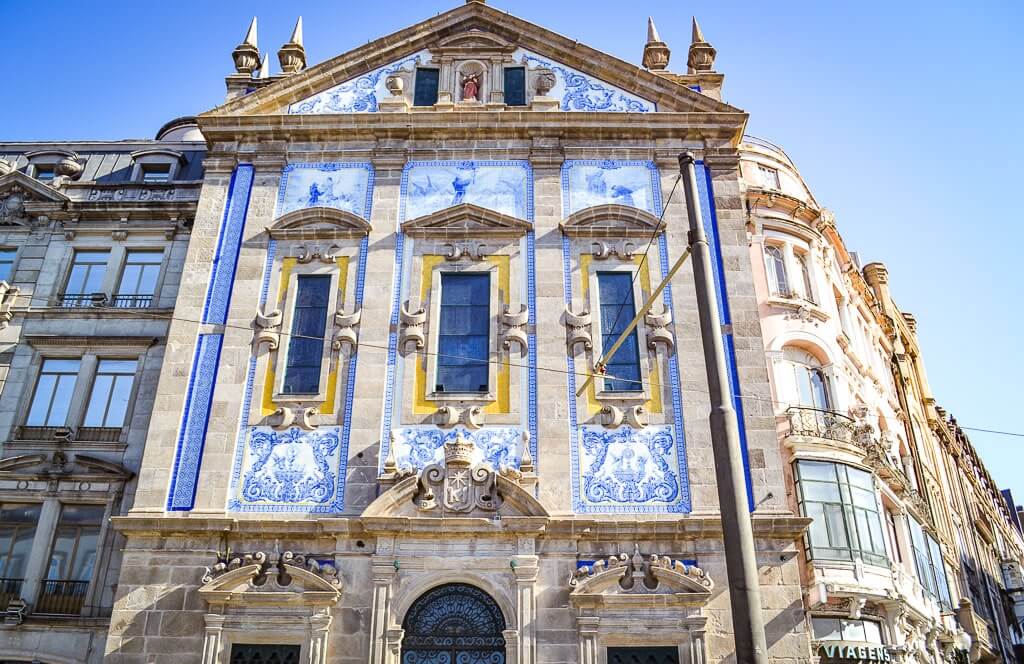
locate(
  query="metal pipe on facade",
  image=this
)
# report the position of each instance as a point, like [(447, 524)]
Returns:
[(738, 536)]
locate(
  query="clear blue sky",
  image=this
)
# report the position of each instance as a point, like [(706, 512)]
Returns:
[(904, 118)]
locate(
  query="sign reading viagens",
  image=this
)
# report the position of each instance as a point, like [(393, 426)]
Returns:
[(857, 653)]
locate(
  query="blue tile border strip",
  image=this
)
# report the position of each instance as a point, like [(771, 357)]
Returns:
[(710, 216), (194, 420), (229, 243), (683, 503), (396, 297)]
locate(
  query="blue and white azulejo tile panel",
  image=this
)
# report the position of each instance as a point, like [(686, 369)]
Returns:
[(342, 185), (628, 467), (293, 469), (500, 186), (229, 243), (592, 182), (418, 447), (357, 95), (580, 92), (192, 430)]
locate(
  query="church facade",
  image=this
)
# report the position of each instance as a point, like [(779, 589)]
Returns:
[(335, 396)]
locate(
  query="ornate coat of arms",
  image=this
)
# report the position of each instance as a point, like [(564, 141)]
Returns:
[(462, 486)]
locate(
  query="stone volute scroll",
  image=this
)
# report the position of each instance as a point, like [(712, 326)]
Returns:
[(641, 575), (514, 324), (412, 323), (268, 330), (577, 330)]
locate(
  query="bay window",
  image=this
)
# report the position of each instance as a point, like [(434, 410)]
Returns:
[(846, 521), (775, 263), (931, 571), (843, 629)]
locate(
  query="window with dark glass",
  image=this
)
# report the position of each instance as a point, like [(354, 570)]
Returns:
[(515, 86), (138, 279), (111, 391), (155, 173), (46, 173), (425, 91), (306, 345), (643, 655), (7, 257), (17, 530), (931, 571), (86, 278), (263, 653), (72, 560), (52, 398), (463, 346), (841, 501), (615, 291)]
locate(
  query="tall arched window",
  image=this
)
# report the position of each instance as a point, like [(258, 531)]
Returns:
[(776, 266), (811, 382), (805, 273), (454, 624)]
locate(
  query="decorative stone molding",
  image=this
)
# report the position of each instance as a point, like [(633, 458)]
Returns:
[(286, 417), (515, 328), (612, 220), (292, 55), (466, 221), (268, 330), (640, 575), (318, 223), (462, 488), (8, 295), (346, 332), (285, 565), (447, 417), (544, 80), (613, 417), (624, 249), (247, 54), (411, 328), (578, 330), (658, 332), (656, 52), (308, 255), (473, 250)]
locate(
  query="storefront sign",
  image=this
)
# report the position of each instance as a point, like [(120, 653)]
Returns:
[(842, 651)]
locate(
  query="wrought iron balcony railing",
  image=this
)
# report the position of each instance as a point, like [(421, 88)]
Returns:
[(817, 423), (81, 300), (62, 597), (132, 301), (9, 589), (67, 434)]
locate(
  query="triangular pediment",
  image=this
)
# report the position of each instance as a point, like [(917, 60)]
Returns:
[(404, 501), (469, 28), (318, 223), (466, 220), (23, 197), (612, 220), (34, 190), (58, 464)]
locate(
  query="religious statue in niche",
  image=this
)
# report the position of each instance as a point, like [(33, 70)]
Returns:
[(470, 86)]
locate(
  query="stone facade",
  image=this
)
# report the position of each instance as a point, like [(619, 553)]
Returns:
[(380, 514)]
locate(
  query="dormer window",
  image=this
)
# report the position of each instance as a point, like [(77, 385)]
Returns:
[(427, 80), (45, 173), (769, 177), (156, 173)]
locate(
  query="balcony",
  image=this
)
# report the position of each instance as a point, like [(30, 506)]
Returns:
[(68, 435), (816, 423), (975, 625), (62, 597), (81, 300), (9, 589), (132, 301)]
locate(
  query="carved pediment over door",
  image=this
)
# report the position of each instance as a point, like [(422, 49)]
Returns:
[(637, 581), (612, 220), (466, 220)]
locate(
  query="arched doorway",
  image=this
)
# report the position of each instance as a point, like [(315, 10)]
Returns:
[(454, 624)]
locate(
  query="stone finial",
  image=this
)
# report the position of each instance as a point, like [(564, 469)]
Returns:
[(656, 52), (292, 55), (702, 54), (247, 54), (264, 67)]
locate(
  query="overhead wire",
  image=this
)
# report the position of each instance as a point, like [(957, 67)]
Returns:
[(150, 315)]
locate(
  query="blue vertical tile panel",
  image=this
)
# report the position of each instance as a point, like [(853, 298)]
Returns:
[(606, 464), (192, 432), (203, 375), (710, 217), (229, 243)]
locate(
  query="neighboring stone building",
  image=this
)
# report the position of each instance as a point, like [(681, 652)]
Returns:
[(354, 371), (93, 239), (911, 544)]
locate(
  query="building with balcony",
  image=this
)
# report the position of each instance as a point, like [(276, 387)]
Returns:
[(313, 378), (908, 530), (92, 244)]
